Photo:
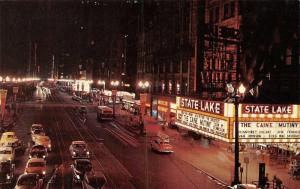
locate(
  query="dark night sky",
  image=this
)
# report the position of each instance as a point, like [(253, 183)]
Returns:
[(55, 27)]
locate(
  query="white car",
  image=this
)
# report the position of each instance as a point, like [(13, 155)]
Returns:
[(36, 126), (7, 154), (43, 140), (78, 149)]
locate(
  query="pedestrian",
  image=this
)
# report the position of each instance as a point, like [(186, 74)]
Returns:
[(142, 127), (266, 181)]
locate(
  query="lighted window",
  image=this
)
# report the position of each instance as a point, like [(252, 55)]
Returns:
[(288, 58)]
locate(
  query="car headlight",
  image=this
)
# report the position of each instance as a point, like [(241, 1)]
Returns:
[(44, 172), (78, 177), (30, 156), (88, 153), (74, 153), (49, 145), (44, 156), (7, 177)]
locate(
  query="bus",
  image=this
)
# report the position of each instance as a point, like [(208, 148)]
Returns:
[(104, 113)]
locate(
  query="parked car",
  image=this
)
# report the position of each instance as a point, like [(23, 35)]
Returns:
[(44, 141), (29, 181), (161, 143), (7, 169), (38, 151), (36, 126), (7, 154), (80, 167), (78, 149), (36, 165)]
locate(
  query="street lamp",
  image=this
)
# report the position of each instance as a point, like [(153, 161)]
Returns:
[(114, 84), (7, 79), (146, 85), (101, 82), (235, 95)]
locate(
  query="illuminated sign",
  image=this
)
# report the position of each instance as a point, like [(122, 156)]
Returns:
[(203, 123), (202, 105), (162, 102), (266, 109), (269, 130)]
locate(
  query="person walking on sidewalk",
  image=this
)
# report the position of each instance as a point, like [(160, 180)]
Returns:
[(142, 127)]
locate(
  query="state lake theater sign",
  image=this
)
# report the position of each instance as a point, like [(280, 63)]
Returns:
[(269, 130), (207, 125)]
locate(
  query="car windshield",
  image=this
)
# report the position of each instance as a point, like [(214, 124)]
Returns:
[(39, 132), (44, 139), (36, 164), (79, 146), (5, 152), (84, 166), (27, 182), (4, 166), (38, 148)]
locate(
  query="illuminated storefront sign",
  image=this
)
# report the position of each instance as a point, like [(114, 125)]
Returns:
[(162, 102), (202, 105), (269, 130), (266, 109), (202, 123)]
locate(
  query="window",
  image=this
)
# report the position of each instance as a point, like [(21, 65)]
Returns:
[(226, 11), (229, 10), (288, 58), (216, 20)]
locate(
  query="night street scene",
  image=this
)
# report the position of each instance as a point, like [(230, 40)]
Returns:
[(149, 94)]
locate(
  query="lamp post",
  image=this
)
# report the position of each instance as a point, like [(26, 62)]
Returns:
[(146, 85), (237, 93), (114, 84), (101, 82)]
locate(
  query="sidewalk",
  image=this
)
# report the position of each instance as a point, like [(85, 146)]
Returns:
[(213, 158)]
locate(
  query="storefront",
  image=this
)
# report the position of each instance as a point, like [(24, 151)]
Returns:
[(258, 123), (166, 108)]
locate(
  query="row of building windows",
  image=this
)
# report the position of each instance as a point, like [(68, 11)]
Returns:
[(228, 12)]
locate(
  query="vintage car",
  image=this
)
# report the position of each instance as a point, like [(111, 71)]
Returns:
[(36, 133), (161, 143), (78, 149), (38, 151), (6, 172), (29, 181), (80, 167), (43, 140), (9, 139), (36, 165), (94, 179), (7, 154), (36, 126)]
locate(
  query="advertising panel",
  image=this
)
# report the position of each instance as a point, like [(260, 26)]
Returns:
[(266, 109), (203, 123), (269, 130)]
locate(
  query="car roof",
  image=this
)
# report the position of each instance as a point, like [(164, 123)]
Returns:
[(36, 125), (104, 108), (82, 160), (36, 160), (78, 142), (28, 176), (9, 133), (6, 148)]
